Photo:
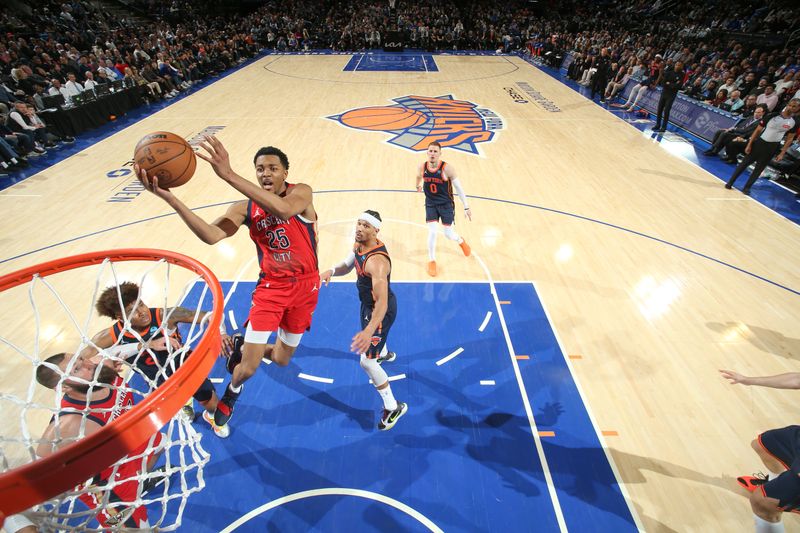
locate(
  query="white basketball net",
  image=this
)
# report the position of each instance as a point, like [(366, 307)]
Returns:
[(42, 319)]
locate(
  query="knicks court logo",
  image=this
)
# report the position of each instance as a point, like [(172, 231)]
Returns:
[(416, 121)]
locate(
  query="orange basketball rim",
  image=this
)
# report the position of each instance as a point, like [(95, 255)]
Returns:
[(43, 479)]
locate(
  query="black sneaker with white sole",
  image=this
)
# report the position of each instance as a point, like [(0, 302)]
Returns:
[(390, 418), (236, 353), (224, 410), (388, 358)]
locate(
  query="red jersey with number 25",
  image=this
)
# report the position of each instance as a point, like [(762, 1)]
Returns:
[(286, 248)]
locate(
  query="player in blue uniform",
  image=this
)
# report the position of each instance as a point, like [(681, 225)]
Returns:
[(437, 180), (378, 309), (152, 324), (778, 492)]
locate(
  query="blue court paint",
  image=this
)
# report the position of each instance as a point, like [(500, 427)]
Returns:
[(770, 194), (394, 62), (587, 488), (463, 456)]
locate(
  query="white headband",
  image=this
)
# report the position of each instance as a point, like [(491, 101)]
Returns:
[(370, 219)]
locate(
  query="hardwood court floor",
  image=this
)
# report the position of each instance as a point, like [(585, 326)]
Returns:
[(651, 272)]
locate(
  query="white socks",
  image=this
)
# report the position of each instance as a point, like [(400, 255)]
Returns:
[(451, 234), (762, 526), (379, 377), (389, 403), (235, 390), (432, 240)]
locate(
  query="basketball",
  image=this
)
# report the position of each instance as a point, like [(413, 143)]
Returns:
[(166, 156), (382, 118)]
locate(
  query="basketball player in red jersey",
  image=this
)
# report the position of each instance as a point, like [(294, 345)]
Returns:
[(378, 309), (283, 226), (437, 179), (106, 402)]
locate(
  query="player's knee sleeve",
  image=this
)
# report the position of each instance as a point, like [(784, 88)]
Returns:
[(374, 371), (256, 337), (451, 234), (432, 228), (205, 392), (289, 339)]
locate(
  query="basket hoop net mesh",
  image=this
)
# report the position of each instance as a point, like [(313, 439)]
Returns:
[(99, 441)]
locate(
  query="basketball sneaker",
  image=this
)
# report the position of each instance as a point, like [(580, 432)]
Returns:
[(432, 268), (465, 248), (390, 418), (388, 358), (752, 482), (225, 406), (222, 432), (236, 353)]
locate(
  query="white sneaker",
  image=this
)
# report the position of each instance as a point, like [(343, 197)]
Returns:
[(222, 431)]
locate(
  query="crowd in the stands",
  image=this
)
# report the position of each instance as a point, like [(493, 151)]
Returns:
[(163, 48)]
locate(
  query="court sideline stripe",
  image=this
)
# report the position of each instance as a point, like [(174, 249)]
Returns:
[(499, 200), (620, 483), (551, 488), (613, 112)]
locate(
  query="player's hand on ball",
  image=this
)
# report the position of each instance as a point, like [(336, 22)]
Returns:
[(217, 156), (151, 183), (361, 342)]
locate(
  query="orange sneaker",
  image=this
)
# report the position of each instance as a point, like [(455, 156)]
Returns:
[(751, 483), (432, 268), (465, 248)]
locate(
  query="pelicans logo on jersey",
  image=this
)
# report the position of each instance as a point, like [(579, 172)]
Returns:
[(416, 121)]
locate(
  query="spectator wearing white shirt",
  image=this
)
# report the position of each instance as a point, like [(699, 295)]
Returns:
[(72, 87), (730, 85), (769, 97), (89, 84), (785, 83)]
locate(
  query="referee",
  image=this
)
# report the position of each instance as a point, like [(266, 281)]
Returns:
[(765, 142)]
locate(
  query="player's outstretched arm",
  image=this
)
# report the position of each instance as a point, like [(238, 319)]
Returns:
[(450, 173), (339, 269), (790, 380), (378, 268), (295, 202), (221, 228), (187, 316)]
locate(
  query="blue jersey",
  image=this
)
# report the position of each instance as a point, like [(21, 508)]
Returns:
[(438, 190), (364, 281)]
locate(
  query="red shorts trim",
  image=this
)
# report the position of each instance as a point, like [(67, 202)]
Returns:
[(288, 305)]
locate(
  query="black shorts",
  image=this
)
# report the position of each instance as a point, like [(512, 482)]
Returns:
[(782, 444), (445, 212), (382, 333)]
